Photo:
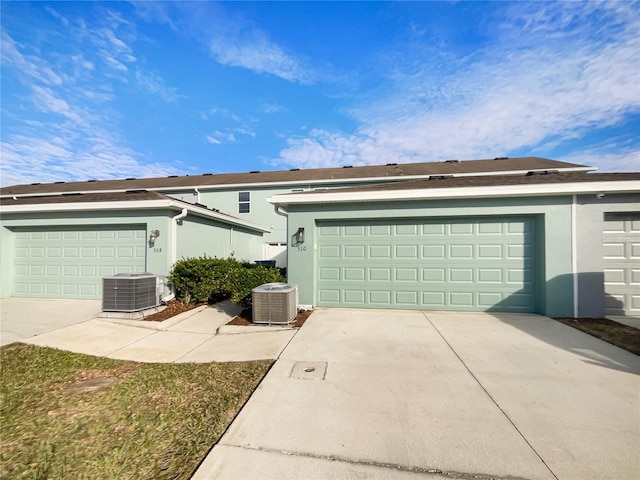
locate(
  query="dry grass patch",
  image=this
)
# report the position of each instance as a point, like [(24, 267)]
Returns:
[(67, 415)]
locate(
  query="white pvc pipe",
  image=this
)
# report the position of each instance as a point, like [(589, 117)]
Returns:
[(574, 255)]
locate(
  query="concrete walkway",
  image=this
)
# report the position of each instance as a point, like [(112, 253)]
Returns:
[(390, 394), (199, 335)]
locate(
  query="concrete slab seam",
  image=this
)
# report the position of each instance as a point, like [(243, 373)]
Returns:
[(197, 346), (130, 343), (392, 466), (222, 435), (278, 329), (491, 398)]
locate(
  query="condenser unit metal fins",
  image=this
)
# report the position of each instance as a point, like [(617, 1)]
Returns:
[(274, 303), (130, 292)]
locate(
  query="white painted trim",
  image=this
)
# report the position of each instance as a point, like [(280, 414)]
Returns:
[(132, 205), (247, 186), (494, 191), (574, 254)]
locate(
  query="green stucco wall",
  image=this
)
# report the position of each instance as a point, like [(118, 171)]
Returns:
[(262, 212), (555, 294), (198, 236), (195, 236)]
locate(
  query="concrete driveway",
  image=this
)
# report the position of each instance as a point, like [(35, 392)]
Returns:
[(389, 394), (23, 318), (200, 335)]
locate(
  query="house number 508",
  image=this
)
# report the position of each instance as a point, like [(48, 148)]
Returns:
[(157, 249)]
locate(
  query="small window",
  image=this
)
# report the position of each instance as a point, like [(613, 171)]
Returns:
[(244, 202)]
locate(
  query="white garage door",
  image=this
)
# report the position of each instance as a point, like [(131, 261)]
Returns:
[(70, 262), (622, 263), (444, 264)]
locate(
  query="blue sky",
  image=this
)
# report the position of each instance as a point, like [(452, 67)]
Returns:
[(139, 89)]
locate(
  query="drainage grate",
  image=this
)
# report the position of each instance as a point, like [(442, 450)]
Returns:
[(309, 370)]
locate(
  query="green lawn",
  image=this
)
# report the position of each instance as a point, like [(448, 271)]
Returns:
[(154, 421)]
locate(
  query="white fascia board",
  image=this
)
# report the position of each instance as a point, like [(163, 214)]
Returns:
[(299, 183), (554, 189), (135, 205)]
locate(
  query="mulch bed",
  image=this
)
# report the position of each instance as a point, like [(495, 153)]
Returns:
[(175, 307), (612, 332), (245, 318)]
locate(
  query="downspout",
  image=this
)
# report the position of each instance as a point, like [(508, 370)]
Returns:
[(574, 255), (197, 192), (282, 213), (174, 235)]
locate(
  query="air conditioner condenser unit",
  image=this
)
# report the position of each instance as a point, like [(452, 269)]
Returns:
[(274, 303), (130, 292)]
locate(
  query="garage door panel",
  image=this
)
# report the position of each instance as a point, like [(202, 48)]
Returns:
[(69, 262), (380, 297), (440, 264), (490, 275), (621, 257)]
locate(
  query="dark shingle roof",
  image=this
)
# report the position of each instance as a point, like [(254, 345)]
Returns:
[(131, 196), (391, 170)]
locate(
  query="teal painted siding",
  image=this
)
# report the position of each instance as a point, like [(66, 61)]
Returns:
[(261, 211), (24, 271), (549, 243), (198, 236)]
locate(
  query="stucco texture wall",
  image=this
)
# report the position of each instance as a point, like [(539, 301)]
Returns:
[(149, 220), (553, 214), (199, 236)]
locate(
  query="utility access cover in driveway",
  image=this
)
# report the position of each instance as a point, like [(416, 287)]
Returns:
[(450, 394)]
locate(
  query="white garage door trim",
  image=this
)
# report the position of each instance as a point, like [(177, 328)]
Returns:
[(69, 262), (621, 248), (477, 264)]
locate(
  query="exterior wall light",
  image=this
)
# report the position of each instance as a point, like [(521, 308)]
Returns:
[(153, 235), (299, 236)]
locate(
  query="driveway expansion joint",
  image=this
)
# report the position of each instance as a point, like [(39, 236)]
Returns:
[(403, 468), (493, 400)]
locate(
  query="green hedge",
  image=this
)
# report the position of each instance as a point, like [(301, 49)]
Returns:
[(206, 279)]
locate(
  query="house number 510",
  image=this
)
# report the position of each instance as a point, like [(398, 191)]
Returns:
[(302, 249)]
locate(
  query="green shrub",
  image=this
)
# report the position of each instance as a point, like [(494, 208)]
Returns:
[(206, 279)]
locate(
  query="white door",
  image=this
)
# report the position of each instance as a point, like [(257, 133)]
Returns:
[(621, 238)]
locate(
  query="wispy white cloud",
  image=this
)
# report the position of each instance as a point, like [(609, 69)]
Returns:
[(66, 127), (553, 79), (228, 136), (254, 51), (237, 42), (155, 84), (29, 66), (272, 108), (47, 102)]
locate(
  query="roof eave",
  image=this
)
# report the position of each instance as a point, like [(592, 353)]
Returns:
[(495, 191), (133, 205)]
